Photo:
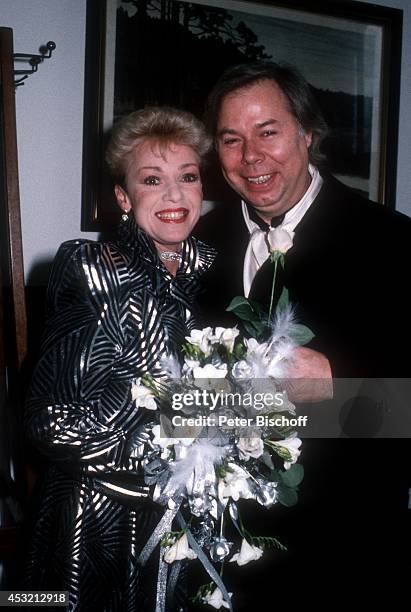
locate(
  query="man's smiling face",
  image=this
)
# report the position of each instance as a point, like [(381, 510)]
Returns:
[(262, 149)]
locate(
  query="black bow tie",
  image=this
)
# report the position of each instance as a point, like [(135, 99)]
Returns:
[(275, 221)]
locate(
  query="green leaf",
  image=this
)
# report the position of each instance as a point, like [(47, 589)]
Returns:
[(266, 542), (283, 300), (256, 306), (239, 300), (274, 475), (287, 496), (301, 334), (250, 329), (266, 459), (293, 476)]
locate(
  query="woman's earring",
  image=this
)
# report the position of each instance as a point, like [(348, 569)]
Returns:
[(124, 216)]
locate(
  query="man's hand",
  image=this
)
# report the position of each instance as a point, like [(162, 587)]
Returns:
[(309, 377)]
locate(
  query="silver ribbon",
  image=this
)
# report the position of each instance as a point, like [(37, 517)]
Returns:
[(208, 566), (165, 591), (162, 528)]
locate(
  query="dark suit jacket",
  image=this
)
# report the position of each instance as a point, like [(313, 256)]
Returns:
[(347, 274)]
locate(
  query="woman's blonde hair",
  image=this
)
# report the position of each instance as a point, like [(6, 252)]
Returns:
[(163, 125)]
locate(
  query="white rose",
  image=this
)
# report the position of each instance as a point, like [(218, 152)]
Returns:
[(226, 336), (247, 553), (292, 444), (216, 600), (242, 369), (250, 447), (202, 339), (143, 396), (280, 239), (179, 550)]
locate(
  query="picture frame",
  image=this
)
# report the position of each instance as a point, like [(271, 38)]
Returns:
[(350, 53)]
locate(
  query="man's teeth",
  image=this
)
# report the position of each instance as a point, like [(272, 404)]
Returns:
[(260, 179), (172, 215)]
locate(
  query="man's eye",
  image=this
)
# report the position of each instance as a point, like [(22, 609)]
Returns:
[(190, 177), (269, 133), (151, 180), (230, 141)]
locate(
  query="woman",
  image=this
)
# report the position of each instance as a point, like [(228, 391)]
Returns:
[(114, 309)]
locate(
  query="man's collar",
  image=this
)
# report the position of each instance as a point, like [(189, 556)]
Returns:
[(294, 215)]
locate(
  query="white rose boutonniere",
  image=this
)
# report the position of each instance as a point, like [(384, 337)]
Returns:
[(279, 242), (280, 239)]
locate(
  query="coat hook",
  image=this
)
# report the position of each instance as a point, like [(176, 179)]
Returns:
[(34, 59)]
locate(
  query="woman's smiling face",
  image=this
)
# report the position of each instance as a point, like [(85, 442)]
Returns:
[(163, 188)]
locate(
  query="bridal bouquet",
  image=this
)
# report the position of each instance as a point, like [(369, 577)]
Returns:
[(225, 432)]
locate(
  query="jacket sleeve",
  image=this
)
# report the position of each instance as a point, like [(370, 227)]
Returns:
[(66, 416)]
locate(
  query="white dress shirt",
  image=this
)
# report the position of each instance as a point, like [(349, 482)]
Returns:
[(258, 250)]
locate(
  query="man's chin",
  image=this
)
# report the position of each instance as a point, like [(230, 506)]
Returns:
[(268, 206)]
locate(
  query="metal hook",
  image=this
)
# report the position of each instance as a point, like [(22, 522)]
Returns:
[(34, 59)]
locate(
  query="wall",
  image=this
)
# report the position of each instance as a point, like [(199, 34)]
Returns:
[(50, 114), (49, 108)]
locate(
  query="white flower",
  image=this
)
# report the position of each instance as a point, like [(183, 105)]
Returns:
[(242, 369), (143, 396), (255, 348), (179, 550), (248, 552), (235, 484), (292, 445), (226, 336), (250, 447), (202, 339), (280, 239), (208, 377), (216, 600), (163, 442), (189, 364)]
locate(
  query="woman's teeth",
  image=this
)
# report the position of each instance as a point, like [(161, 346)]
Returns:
[(172, 215)]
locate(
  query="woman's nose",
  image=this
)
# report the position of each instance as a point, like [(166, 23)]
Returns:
[(173, 192)]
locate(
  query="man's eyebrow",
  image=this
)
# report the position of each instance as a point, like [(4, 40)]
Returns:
[(263, 124), (226, 131)]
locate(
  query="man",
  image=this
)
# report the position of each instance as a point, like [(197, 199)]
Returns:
[(346, 274)]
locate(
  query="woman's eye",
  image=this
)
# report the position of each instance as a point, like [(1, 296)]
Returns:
[(151, 180), (190, 177)]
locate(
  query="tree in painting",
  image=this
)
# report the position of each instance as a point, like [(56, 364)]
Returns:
[(170, 52)]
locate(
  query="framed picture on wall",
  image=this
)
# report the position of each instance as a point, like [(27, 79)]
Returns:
[(141, 52)]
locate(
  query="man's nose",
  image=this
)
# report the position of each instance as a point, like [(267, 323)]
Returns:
[(251, 153)]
